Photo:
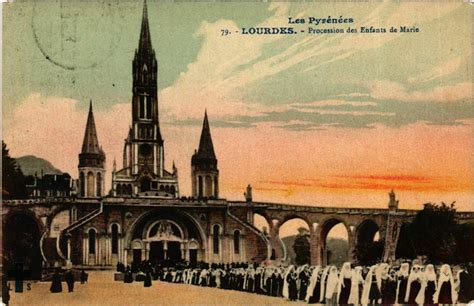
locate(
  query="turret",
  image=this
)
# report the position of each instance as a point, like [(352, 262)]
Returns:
[(204, 171), (91, 162)]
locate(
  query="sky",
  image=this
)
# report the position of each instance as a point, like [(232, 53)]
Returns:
[(324, 120)]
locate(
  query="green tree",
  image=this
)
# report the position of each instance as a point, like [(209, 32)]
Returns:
[(368, 252), (302, 247), (432, 233), (13, 180)]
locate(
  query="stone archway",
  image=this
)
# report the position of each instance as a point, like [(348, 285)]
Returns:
[(368, 248), (21, 233), (323, 231), (166, 234)]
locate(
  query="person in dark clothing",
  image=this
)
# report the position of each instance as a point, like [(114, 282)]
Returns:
[(466, 286), (346, 283), (304, 279), (292, 288), (414, 285), (56, 285), (128, 277), (5, 290), (402, 279), (389, 288), (274, 284), (147, 281), (69, 277), (84, 276), (444, 294)]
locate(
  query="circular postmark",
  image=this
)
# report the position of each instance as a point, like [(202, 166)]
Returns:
[(76, 35)]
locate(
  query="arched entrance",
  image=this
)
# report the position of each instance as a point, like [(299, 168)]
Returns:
[(21, 243), (166, 240), (166, 235)]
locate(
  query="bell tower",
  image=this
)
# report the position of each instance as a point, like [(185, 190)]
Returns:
[(145, 141), (204, 172), (143, 172), (91, 162)]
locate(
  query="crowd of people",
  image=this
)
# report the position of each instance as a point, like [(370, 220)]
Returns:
[(404, 283)]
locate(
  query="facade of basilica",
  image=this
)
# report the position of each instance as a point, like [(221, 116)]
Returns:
[(143, 217)]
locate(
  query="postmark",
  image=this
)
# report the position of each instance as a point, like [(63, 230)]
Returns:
[(75, 37)]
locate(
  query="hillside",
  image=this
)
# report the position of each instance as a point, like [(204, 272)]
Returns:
[(30, 164)]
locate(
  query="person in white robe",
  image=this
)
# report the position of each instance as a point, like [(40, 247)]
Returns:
[(446, 289), (357, 281), (286, 292), (332, 284), (428, 286), (312, 282)]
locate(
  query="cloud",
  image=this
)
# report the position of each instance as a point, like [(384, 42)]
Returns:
[(388, 90), (440, 71)]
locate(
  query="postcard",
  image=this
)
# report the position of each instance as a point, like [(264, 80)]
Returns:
[(232, 152)]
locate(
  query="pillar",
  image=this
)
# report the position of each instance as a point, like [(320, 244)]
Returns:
[(275, 240)]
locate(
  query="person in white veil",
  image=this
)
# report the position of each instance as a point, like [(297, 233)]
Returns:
[(286, 292), (313, 280), (356, 283), (402, 282), (371, 293), (345, 284), (428, 286), (323, 280), (332, 284), (446, 290), (413, 285)]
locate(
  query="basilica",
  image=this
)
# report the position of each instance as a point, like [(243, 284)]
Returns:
[(143, 217)]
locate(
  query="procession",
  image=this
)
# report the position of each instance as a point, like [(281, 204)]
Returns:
[(405, 283)]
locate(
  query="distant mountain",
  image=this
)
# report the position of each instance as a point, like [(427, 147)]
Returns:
[(30, 164), (337, 249)]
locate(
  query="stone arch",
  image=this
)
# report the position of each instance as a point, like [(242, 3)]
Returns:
[(366, 249), (261, 222), (324, 228), (142, 220), (119, 189), (292, 225), (22, 233), (173, 190)]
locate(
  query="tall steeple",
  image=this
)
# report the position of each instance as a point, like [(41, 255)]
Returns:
[(206, 148), (204, 171), (90, 143), (144, 44), (91, 161)]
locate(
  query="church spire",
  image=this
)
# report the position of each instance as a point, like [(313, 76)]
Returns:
[(145, 38), (206, 148), (91, 142)]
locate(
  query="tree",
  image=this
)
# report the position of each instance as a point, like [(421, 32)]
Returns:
[(432, 233), (302, 247), (368, 252), (13, 180), (465, 243)]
